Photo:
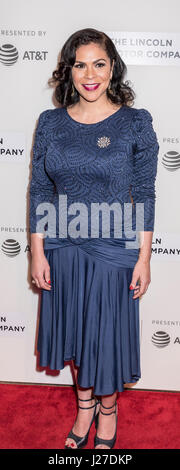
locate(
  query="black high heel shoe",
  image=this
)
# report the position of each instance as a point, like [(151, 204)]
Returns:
[(108, 442), (82, 441)]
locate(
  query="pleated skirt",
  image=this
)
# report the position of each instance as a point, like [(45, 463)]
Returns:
[(89, 314)]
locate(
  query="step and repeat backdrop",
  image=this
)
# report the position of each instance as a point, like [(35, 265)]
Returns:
[(31, 37)]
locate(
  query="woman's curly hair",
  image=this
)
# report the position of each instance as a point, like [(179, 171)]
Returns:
[(120, 92)]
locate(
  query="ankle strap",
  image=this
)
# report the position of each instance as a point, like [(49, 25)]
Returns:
[(107, 413), (87, 399), (88, 407), (107, 407)]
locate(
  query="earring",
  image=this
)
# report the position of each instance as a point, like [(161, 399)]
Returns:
[(73, 90)]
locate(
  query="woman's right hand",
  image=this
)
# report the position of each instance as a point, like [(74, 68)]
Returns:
[(40, 271)]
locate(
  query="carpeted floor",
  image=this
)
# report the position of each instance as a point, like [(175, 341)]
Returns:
[(40, 417)]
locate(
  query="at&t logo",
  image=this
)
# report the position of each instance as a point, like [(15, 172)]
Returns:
[(160, 339)]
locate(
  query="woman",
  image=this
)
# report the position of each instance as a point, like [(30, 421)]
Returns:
[(95, 148)]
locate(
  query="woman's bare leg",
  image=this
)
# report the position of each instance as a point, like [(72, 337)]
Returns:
[(84, 417), (107, 424)]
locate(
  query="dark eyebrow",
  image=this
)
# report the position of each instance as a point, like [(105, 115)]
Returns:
[(93, 62)]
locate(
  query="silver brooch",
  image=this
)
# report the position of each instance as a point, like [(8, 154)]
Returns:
[(103, 141)]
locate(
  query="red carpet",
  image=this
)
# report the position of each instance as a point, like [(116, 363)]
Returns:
[(40, 417)]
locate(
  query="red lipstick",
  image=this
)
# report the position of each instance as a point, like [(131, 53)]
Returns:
[(91, 87)]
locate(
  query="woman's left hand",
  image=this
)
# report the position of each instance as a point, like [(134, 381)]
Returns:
[(141, 277)]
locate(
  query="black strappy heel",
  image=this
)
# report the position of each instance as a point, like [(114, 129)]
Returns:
[(82, 441), (108, 442)]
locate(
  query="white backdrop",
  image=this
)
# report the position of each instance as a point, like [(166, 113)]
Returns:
[(31, 36)]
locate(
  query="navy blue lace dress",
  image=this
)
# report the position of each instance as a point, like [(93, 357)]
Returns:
[(90, 314)]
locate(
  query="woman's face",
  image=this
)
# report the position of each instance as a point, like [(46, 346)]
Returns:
[(92, 67)]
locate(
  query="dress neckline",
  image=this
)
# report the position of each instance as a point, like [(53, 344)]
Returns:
[(94, 123)]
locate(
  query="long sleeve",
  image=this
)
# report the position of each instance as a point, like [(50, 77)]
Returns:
[(145, 165), (41, 186)]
